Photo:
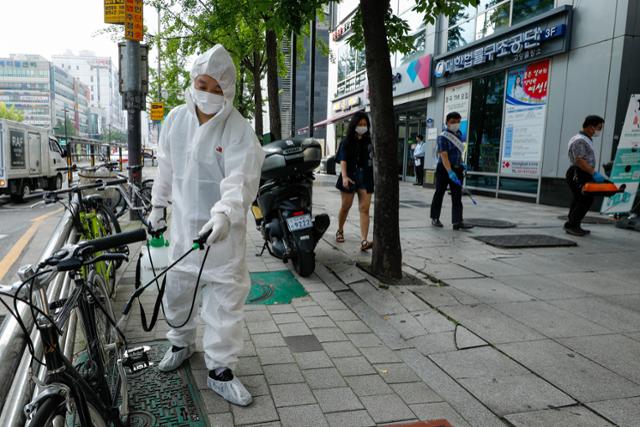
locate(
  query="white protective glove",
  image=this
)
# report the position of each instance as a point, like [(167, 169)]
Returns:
[(220, 226), (156, 218)]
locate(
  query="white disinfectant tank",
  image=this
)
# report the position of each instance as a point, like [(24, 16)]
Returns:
[(154, 258)]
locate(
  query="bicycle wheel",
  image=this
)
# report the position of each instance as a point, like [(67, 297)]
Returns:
[(145, 193), (109, 344), (54, 412)]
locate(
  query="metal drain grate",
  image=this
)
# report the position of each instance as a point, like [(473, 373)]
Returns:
[(165, 398), (512, 241)]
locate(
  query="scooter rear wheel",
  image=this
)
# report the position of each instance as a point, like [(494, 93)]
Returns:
[(304, 263)]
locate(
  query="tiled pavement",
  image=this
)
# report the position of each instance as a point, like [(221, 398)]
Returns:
[(493, 337)]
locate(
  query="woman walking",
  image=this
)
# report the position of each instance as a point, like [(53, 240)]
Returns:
[(355, 156)]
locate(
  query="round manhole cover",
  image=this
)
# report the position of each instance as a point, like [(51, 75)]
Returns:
[(489, 223), (141, 419)]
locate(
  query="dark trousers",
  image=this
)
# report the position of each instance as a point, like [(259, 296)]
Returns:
[(581, 203), (442, 182), (420, 171)]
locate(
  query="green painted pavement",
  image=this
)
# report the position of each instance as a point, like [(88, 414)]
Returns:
[(274, 287)]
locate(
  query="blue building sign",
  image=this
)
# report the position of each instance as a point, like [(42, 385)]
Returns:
[(541, 37)]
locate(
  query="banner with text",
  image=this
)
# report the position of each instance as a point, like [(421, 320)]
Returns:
[(626, 166), (524, 119)]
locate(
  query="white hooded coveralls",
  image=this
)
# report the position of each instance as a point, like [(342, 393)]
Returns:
[(203, 170)]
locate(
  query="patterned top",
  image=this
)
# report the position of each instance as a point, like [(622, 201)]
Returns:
[(581, 146)]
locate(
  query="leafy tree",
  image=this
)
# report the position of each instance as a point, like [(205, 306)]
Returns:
[(10, 113), (59, 128), (378, 31)]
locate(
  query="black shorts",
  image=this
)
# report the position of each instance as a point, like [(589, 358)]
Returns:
[(363, 179)]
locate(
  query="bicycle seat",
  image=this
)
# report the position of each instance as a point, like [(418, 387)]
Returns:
[(93, 199)]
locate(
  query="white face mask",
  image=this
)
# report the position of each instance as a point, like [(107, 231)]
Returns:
[(597, 133), (208, 103), (361, 130), (454, 127)]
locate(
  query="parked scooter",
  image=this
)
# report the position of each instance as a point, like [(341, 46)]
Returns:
[(283, 207)]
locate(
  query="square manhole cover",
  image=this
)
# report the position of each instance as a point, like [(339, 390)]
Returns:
[(513, 241)]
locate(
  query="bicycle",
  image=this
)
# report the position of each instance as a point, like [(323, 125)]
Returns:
[(92, 219), (94, 392)]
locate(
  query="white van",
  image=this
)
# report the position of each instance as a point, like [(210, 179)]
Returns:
[(30, 158)]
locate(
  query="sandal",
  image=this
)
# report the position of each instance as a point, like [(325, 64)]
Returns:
[(365, 245), (340, 236)]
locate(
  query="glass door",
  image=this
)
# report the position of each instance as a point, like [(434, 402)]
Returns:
[(402, 143), (485, 131), (413, 130)]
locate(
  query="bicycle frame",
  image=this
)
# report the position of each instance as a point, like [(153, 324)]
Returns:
[(60, 370), (93, 228)]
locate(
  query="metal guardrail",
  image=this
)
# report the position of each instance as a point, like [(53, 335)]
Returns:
[(16, 387)]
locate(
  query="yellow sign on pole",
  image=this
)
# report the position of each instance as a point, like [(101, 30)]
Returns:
[(114, 11), (133, 29), (157, 111)]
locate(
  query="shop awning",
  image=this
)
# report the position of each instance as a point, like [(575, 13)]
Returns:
[(331, 119)]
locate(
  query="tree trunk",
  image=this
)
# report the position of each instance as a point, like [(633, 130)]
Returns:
[(256, 71), (242, 103), (272, 84), (387, 253)]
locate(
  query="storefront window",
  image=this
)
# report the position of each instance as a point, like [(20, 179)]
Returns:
[(494, 19), (473, 23), (351, 70), (487, 99), (461, 35), (517, 185), (525, 9), (480, 181), (419, 44)]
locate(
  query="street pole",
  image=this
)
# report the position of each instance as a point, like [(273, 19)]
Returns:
[(159, 49), (159, 122), (66, 139), (312, 72), (134, 100), (293, 64)]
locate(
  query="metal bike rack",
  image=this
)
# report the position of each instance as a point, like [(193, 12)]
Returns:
[(16, 387)]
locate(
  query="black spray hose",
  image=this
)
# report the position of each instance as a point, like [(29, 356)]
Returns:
[(198, 244)]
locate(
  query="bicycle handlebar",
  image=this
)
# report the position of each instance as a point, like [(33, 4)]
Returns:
[(113, 241)]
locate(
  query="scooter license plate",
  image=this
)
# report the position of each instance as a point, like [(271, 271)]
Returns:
[(299, 222)]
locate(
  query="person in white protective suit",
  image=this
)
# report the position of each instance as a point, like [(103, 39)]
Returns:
[(209, 163)]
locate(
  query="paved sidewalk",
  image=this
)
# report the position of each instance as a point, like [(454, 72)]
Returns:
[(534, 337)]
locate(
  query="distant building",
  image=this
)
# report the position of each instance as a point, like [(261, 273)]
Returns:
[(302, 89), (25, 84), (101, 75)]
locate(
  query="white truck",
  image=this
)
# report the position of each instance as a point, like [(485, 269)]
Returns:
[(30, 158)]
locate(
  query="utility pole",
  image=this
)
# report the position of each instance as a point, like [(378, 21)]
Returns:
[(312, 72), (293, 64), (159, 122), (134, 100), (66, 142)]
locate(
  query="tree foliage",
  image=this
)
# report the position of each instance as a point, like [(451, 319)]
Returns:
[(10, 113), (60, 130)]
